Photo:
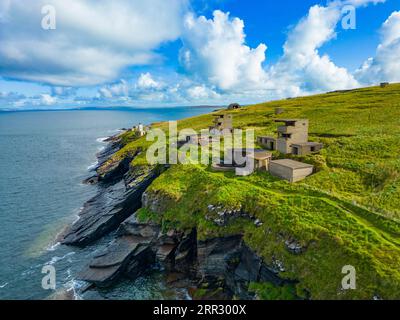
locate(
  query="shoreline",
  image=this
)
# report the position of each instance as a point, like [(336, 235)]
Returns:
[(139, 247)]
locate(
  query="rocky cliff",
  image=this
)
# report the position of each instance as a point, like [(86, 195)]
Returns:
[(219, 267)]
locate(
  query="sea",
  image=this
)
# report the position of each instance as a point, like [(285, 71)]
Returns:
[(44, 156)]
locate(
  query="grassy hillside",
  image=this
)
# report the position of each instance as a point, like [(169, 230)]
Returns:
[(348, 213)]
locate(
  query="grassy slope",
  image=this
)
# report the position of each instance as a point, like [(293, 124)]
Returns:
[(346, 214)]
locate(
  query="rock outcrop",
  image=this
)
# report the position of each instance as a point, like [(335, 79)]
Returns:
[(133, 253), (221, 267), (110, 207), (224, 266)]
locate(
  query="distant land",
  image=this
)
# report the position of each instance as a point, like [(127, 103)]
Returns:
[(109, 108)]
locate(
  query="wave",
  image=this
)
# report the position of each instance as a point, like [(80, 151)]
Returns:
[(53, 247), (74, 286), (56, 259), (102, 140), (93, 166), (3, 285)]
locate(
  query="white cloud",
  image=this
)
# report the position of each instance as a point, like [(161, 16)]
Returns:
[(145, 84), (118, 89), (302, 68), (385, 66), (146, 81), (215, 50), (94, 40), (47, 100), (201, 93), (221, 67)]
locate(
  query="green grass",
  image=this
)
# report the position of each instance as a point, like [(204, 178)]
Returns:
[(348, 213)]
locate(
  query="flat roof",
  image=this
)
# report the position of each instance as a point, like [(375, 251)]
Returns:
[(290, 120), (307, 144), (261, 155), (292, 164), (245, 149)]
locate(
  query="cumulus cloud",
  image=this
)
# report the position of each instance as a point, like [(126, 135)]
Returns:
[(201, 93), (93, 42), (14, 100), (215, 50), (146, 81), (87, 48), (302, 68), (385, 66), (118, 89), (123, 88), (47, 100), (63, 91)]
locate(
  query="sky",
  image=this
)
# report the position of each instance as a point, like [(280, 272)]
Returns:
[(57, 54)]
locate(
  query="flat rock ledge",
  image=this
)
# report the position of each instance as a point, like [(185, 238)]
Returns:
[(109, 208), (133, 253)]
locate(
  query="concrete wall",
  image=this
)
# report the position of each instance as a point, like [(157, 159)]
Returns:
[(289, 174), (300, 174), (280, 171), (299, 134), (305, 150), (267, 143)]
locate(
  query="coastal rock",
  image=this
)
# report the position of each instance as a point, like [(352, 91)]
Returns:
[(113, 146), (213, 256), (131, 254), (113, 170), (186, 252), (109, 208), (125, 255), (134, 228), (91, 180)]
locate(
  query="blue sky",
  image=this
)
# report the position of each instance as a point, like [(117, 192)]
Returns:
[(182, 52)]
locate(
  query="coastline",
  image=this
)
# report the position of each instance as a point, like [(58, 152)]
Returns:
[(187, 262)]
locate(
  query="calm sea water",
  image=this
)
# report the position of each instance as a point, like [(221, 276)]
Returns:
[(44, 156)]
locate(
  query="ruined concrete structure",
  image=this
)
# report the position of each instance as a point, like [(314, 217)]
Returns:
[(290, 170), (222, 124), (294, 131), (292, 138), (234, 106), (267, 142), (303, 149), (140, 130)]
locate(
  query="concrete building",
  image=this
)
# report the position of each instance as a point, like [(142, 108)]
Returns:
[(268, 143), (139, 130), (240, 156), (222, 124), (294, 131), (303, 149), (290, 170), (292, 138), (234, 106), (261, 159)]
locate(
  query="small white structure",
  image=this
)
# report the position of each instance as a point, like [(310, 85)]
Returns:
[(141, 130), (290, 170)]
